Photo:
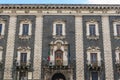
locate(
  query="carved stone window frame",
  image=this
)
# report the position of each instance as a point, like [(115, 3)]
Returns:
[(2, 21), (117, 52), (25, 21), (1, 53), (63, 29), (23, 50), (115, 23), (91, 50), (92, 22)]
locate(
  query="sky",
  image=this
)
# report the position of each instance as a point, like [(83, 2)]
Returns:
[(59, 1)]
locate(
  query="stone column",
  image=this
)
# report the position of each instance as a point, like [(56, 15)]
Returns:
[(38, 48), (10, 48), (79, 48), (107, 49)]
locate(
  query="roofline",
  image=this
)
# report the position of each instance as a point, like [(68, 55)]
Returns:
[(59, 6)]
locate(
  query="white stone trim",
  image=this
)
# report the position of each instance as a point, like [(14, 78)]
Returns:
[(117, 55), (89, 52), (21, 27), (63, 27), (1, 52), (23, 50), (96, 28), (29, 75), (115, 27)]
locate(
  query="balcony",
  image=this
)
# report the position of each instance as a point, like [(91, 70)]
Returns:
[(57, 65), (94, 65), (23, 65)]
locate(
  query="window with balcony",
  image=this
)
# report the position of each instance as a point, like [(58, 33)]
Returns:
[(23, 58), (94, 57), (58, 29), (25, 30), (59, 57), (94, 75), (92, 30)]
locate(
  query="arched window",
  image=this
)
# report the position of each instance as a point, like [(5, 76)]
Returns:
[(59, 57)]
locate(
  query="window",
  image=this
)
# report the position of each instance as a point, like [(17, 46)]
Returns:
[(94, 75), (58, 29), (118, 29), (58, 57), (92, 30), (93, 57), (23, 57), (25, 29), (0, 29)]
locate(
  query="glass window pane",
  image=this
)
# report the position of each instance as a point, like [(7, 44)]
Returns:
[(118, 29), (59, 29), (25, 29), (93, 57), (94, 75), (0, 28), (92, 29), (23, 57)]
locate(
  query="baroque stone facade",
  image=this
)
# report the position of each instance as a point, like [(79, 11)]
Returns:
[(59, 42)]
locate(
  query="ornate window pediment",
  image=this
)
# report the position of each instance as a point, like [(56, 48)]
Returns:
[(116, 29), (59, 29), (94, 56), (25, 30), (2, 28), (58, 53), (92, 29), (23, 55)]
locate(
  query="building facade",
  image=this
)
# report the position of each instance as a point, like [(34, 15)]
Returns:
[(59, 42)]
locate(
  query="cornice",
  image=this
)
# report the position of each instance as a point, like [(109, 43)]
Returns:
[(59, 6)]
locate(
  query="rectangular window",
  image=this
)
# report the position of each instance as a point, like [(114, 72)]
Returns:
[(92, 29), (23, 57), (25, 29), (59, 29), (93, 57), (94, 75), (0, 28), (118, 29)]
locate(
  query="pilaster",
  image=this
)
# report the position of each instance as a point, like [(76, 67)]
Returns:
[(38, 48), (79, 48), (10, 48), (107, 48)]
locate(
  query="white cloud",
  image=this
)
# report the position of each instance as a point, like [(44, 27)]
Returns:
[(104, 1)]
